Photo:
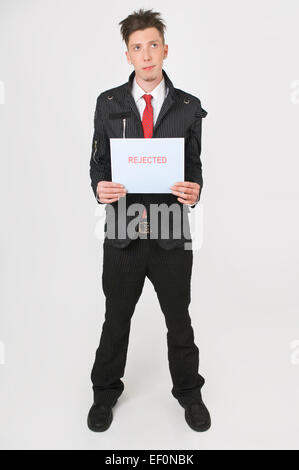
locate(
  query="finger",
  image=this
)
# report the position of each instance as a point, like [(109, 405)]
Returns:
[(187, 184), (185, 201), (179, 193), (111, 191), (108, 201), (112, 196), (110, 184), (184, 189)]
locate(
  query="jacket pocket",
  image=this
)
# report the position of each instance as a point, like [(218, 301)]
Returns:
[(122, 117)]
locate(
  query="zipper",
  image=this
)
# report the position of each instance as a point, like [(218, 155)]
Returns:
[(95, 151), (124, 128)]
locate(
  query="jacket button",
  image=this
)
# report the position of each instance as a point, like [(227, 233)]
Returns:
[(110, 97), (186, 101)]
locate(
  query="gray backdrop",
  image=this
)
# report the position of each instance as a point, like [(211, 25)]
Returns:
[(240, 59)]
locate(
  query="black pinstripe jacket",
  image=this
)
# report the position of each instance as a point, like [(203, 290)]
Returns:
[(116, 115)]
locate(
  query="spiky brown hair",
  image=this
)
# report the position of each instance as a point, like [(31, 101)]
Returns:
[(140, 20)]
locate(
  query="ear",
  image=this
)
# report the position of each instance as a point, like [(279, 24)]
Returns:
[(128, 58), (165, 51)]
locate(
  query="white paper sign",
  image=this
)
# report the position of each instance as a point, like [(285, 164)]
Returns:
[(147, 165)]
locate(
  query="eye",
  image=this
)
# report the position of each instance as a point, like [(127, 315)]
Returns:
[(153, 44)]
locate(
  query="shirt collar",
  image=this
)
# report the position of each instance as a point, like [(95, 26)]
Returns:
[(159, 92)]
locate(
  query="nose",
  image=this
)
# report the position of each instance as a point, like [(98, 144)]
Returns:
[(146, 54)]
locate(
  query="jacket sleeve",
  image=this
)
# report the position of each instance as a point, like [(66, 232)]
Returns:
[(193, 166), (99, 168)]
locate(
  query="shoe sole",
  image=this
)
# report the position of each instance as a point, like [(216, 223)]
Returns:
[(195, 428), (104, 428)]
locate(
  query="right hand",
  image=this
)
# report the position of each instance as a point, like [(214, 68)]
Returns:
[(108, 191)]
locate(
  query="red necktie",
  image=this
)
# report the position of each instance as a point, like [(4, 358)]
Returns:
[(147, 125)]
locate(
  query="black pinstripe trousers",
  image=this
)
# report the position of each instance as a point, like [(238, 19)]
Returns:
[(124, 271)]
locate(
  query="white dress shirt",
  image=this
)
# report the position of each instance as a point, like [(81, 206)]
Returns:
[(158, 96)]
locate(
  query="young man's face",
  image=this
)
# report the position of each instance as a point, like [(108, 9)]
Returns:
[(145, 49)]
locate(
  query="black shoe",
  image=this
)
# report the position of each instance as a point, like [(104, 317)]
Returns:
[(198, 416), (100, 417)]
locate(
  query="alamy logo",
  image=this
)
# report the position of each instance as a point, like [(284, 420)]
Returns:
[(173, 221)]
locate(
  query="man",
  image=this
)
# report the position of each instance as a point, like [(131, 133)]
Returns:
[(147, 106)]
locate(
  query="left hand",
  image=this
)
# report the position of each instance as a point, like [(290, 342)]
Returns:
[(186, 191)]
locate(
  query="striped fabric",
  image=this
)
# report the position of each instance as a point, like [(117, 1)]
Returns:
[(116, 115)]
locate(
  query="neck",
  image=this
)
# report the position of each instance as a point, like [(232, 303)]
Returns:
[(148, 86)]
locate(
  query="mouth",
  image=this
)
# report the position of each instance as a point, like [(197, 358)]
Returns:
[(148, 68)]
